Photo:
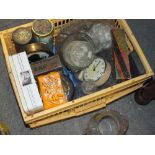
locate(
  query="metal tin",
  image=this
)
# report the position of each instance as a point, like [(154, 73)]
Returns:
[(51, 90), (42, 29), (46, 66), (22, 36)]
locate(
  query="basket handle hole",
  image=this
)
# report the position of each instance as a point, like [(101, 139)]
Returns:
[(55, 24), (63, 22), (59, 23)]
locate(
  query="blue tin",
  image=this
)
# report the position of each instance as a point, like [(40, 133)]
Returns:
[(42, 31)]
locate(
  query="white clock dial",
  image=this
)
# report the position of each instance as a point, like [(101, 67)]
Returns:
[(95, 70)]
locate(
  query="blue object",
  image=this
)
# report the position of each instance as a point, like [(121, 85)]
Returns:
[(54, 50), (70, 75), (47, 40)]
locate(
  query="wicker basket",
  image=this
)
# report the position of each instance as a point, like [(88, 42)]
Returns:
[(84, 104)]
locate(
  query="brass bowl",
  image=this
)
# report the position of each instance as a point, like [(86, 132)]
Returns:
[(36, 47), (37, 51)]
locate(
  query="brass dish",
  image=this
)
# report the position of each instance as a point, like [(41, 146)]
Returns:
[(36, 47)]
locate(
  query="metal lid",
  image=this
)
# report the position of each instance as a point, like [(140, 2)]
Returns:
[(42, 27), (22, 36)]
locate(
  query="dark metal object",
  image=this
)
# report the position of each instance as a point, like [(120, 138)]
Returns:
[(68, 87), (47, 65), (22, 36), (120, 120), (144, 95)]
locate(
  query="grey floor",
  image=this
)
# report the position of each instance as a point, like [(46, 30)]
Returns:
[(141, 118)]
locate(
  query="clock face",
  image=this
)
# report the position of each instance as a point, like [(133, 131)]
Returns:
[(95, 70)]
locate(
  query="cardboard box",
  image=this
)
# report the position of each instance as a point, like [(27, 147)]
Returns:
[(26, 85)]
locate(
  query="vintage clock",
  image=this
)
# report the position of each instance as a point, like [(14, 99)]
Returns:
[(99, 71)]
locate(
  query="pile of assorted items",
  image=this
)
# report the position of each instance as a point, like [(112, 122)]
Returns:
[(85, 57)]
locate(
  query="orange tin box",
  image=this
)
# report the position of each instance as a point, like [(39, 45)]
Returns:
[(51, 90)]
